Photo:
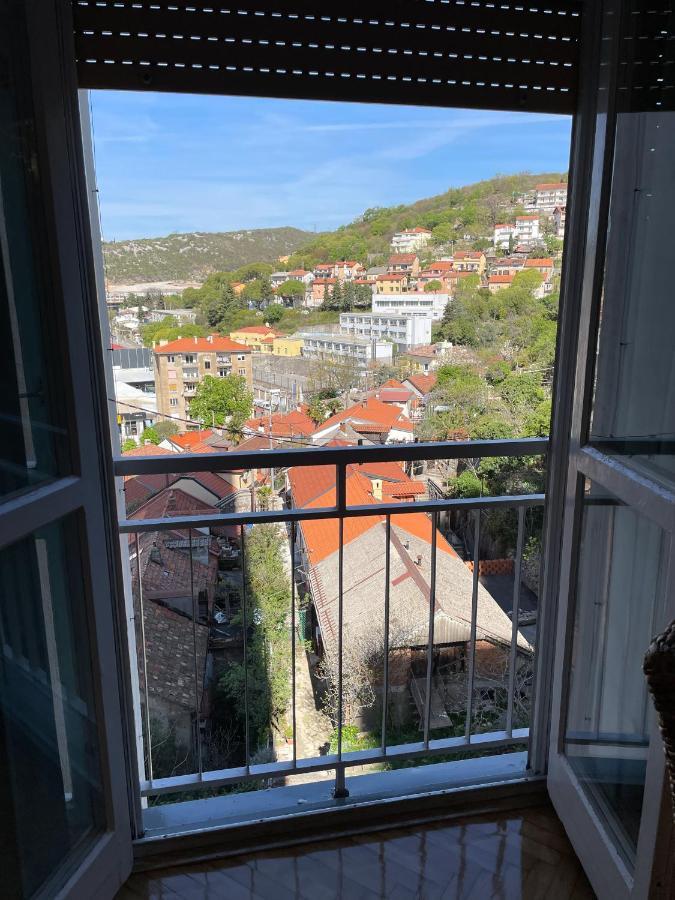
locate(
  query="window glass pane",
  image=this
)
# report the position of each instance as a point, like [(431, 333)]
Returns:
[(32, 420), (634, 404), (619, 606), (49, 755)]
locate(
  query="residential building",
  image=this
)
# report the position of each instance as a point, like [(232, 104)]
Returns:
[(348, 270), (372, 421), (320, 287), (301, 275), (404, 331), (545, 268), (258, 337), (404, 263), (471, 261), (327, 345), (278, 278), (181, 364), (324, 270), (504, 235), (287, 345), (182, 316), (413, 303), (395, 393), (391, 283), (354, 590), (136, 410), (527, 230), (293, 425), (497, 283), (559, 214), (411, 240), (551, 195), (509, 265), (424, 359)]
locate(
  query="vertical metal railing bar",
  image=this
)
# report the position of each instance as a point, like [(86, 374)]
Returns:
[(474, 623), (341, 502), (293, 644), (194, 660), (513, 654), (432, 616), (244, 620), (385, 673), (144, 656)]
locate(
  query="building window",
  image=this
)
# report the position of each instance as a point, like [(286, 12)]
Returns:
[(173, 401), (189, 358), (242, 371), (222, 373), (171, 358), (241, 358), (207, 363)]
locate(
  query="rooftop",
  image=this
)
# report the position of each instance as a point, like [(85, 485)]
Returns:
[(211, 344)]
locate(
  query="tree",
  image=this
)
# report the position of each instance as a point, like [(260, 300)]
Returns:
[(165, 429), (433, 286), (222, 401), (128, 444), (150, 434), (292, 290), (274, 314)]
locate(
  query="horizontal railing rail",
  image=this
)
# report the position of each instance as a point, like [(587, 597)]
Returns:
[(341, 458)]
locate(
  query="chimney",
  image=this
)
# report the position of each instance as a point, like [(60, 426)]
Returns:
[(377, 488), (162, 342), (195, 339), (209, 339)]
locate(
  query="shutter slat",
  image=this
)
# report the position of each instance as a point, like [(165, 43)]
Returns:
[(476, 53)]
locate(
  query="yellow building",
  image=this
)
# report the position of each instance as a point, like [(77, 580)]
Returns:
[(287, 345), (258, 337), (391, 283)]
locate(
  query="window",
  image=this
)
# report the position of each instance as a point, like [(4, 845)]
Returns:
[(189, 358), (242, 371), (173, 401), (207, 363), (222, 373), (241, 357), (171, 358)]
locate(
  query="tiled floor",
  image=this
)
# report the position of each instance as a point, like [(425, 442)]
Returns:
[(523, 854)]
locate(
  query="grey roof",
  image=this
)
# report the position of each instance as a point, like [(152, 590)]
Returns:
[(363, 594)]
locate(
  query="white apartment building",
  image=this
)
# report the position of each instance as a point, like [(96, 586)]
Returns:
[(503, 235), (183, 316), (136, 410), (413, 303), (559, 215), (405, 331), (328, 345), (551, 195), (411, 240), (527, 229)]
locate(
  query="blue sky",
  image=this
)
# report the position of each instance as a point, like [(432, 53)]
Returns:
[(169, 162)]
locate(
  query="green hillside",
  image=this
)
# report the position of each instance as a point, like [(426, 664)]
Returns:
[(191, 257), (471, 210)]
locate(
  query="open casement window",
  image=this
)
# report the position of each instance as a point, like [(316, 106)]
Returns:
[(606, 762), (65, 804)]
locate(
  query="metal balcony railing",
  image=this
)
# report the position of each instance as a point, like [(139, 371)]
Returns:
[(341, 458)]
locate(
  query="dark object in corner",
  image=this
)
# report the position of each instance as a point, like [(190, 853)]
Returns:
[(659, 668)]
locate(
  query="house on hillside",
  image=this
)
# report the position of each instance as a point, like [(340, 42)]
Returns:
[(258, 337), (498, 283), (410, 240), (363, 592), (392, 283), (405, 263), (472, 261), (373, 420)]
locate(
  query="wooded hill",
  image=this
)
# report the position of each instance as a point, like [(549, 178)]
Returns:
[(471, 210), (191, 257)]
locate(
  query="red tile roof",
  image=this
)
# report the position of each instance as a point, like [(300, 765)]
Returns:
[(552, 186), (170, 502), (188, 439), (391, 395), (423, 383), (213, 343), (372, 412), (399, 259), (537, 263), (147, 450), (393, 276), (416, 230), (288, 424), (257, 329), (500, 279), (405, 489)]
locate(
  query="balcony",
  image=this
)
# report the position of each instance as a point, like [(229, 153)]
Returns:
[(431, 663)]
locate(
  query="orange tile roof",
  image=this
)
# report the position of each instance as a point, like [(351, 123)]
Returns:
[(552, 186), (147, 450), (416, 230), (187, 440), (423, 383), (500, 279), (393, 276), (404, 489), (213, 343), (505, 225), (287, 424), (524, 218), (402, 424), (372, 411), (257, 329), (401, 258), (535, 263)]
